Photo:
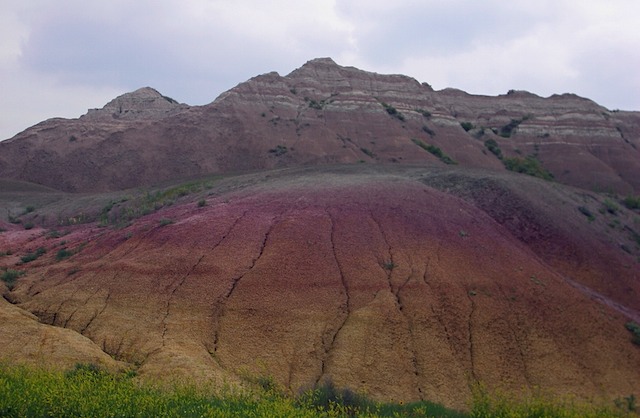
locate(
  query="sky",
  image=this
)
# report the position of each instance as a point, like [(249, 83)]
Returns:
[(61, 58)]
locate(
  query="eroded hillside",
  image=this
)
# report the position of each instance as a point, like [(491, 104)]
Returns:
[(323, 113), (429, 278)]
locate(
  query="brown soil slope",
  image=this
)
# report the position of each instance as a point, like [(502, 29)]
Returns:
[(325, 113), (405, 284)]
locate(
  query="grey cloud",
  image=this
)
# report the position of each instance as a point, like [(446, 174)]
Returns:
[(432, 28)]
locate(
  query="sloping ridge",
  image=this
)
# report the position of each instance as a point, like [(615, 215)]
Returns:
[(380, 282), (324, 113)]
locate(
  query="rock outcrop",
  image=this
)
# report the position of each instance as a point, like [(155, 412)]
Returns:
[(325, 113)]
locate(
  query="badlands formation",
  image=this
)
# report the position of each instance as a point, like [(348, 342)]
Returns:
[(305, 228)]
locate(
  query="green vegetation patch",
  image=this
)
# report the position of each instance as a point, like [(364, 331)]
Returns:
[(528, 165), (609, 206), (278, 150), (631, 202), (63, 253), (634, 329), (393, 111), (467, 126), (491, 405), (428, 131), (88, 391), (492, 146), (586, 212), (29, 257), (121, 212), (368, 152), (434, 151), (507, 130), (9, 277)]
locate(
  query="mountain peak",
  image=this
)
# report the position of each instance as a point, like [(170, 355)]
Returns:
[(321, 61), (143, 103)]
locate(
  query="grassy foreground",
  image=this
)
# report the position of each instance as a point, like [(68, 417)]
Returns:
[(89, 392)]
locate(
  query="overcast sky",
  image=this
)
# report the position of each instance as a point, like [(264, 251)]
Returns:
[(60, 58)]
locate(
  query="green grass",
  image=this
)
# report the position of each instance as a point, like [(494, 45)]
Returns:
[(88, 391), (632, 202), (121, 212), (610, 207), (432, 149), (528, 165), (497, 405)]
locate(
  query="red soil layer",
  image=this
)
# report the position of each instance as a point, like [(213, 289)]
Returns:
[(383, 285)]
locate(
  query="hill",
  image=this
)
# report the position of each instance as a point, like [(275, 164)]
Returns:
[(323, 113), (330, 225), (405, 282)]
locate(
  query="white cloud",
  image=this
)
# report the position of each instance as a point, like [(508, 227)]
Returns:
[(60, 58)]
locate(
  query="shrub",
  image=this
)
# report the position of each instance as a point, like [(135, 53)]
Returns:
[(634, 329), (393, 111), (586, 212), (492, 146), (529, 165), (467, 126), (631, 202), (53, 234), (202, 203), (28, 225), (29, 257), (165, 221), (9, 277), (278, 150), (432, 149), (29, 209), (610, 207), (369, 153), (507, 130), (315, 105), (428, 130), (389, 265), (62, 254), (424, 113), (327, 396)]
